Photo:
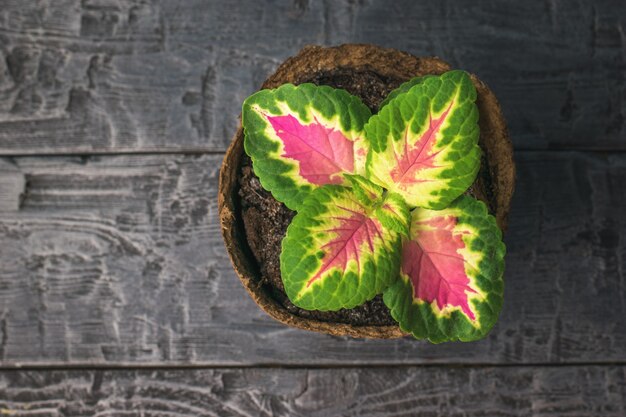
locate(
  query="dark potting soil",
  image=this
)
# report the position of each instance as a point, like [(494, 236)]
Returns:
[(266, 220)]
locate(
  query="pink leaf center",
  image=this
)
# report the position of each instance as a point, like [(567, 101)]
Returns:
[(419, 155), (435, 267), (322, 152), (352, 231)]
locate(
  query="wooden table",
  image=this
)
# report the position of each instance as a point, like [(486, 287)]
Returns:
[(116, 294)]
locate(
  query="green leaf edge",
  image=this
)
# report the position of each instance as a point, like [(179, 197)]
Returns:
[(403, 88)]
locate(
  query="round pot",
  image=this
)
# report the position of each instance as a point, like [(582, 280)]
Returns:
[(494, 184)]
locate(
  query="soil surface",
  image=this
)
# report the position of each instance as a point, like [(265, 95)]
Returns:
[(266, 220)]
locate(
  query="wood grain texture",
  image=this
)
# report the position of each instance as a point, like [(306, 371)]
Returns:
[(123, 76), (119, 260), (382, 392)]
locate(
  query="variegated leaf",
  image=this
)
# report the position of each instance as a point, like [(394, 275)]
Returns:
[(451, 275), (337, 253), (302, 137), (424, 142)]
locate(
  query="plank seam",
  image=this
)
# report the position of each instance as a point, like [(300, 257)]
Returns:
[(161, 367)]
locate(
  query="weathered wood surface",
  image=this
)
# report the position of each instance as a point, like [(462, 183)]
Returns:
[(383, 392), (123, 76), (111, 260)]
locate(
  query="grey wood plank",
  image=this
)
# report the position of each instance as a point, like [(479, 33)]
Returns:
[(431, 391), (11, 186), (124, 76), (113, 260)]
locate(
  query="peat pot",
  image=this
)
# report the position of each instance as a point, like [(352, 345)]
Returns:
[(253, 223)]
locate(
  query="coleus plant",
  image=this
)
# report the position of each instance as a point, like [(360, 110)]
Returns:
[(380, 202)]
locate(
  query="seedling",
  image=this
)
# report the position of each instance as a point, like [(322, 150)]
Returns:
[(380, 202)]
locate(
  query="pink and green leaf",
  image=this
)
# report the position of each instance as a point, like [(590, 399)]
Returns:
[(450, 285), (424, 142), (300, 138), (337, 253)]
